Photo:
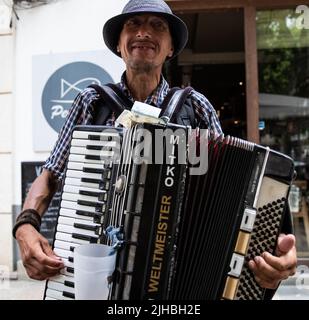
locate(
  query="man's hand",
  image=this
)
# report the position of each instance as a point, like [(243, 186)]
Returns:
[(37, 255), (269, 270)]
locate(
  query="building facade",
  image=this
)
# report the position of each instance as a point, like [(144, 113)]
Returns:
[(249, 57)]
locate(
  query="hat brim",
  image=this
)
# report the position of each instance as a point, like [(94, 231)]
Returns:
[(113, 28)]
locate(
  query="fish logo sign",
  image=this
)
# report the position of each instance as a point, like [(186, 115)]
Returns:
[(64, 85)]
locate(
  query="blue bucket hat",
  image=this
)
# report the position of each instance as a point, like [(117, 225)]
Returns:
[(113, 27)]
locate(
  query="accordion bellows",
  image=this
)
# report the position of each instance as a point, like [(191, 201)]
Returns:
[(185, 236)]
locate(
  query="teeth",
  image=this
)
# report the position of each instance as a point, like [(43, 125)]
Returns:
[(143, 47)]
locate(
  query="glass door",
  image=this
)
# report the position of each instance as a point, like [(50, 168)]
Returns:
[(283, 54)]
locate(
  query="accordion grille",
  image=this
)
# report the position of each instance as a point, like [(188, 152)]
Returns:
[(263, 237)]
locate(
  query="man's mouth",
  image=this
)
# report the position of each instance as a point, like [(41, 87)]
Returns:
[(143, 46)]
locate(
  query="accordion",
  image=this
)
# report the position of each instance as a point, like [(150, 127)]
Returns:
[(188, 230)]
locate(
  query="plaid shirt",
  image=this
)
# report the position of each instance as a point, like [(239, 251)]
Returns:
[(81, 112)]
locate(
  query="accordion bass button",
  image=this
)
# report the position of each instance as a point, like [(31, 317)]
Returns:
[(120, 183)]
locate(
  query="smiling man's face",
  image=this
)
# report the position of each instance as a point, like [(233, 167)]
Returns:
[(145, 42)]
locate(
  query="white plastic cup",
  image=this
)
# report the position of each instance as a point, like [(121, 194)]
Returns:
[(93, 264)]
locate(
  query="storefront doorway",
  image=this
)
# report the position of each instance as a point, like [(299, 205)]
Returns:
[(213, 64)]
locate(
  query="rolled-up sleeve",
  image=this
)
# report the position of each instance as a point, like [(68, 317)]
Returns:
[(206, 114), (81, 112)]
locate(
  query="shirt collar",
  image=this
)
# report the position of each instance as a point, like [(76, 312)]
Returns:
[(155, 98)]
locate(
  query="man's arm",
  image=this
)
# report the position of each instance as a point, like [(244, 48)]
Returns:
[(37, 256), (41, 192)]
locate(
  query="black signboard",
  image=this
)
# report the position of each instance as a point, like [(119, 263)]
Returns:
[(29, 172)]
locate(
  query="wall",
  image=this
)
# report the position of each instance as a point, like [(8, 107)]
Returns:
[(7, 38), (59, 27)]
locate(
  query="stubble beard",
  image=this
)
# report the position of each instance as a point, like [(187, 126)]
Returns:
[(141, 66)]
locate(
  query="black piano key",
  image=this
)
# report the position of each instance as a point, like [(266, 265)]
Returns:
[(69, 283), (71, 259), (105, 148), (93, 137), (89, 193), (102, 196), (96, 229), (106, 174), (70, 269), (90, 180), (101, 208), (85, 213), (99, 138), (84, 226), (68, 294), (85, 237), (72, 248), (104, 185), (93, 170), (97, 217), (93, 157), (98, 207)]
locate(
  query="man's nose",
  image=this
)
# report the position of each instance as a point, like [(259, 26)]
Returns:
[(143, 31)]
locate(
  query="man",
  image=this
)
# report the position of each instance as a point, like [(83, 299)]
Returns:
[(145, 35)]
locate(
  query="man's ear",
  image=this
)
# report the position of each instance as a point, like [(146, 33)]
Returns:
[(171, 52)]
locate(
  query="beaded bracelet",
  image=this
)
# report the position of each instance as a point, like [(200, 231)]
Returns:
[(28, 216)]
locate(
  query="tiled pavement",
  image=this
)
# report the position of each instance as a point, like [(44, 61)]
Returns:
[(295, 288)]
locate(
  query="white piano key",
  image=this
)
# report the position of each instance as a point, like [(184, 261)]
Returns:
[(82, 158), (72, 214), (78, 182), (63, 253), (64, 245), (70, 221), (68, 237), (81, 166), (71, 230), (81, 174), (76, 197), (75, 206), (62, 278), (82, 225), (58, 278), (99, 143), (59, 287), (67, 263), (102, 153), (66, 273), (103, 134), (49, 298), (77, 189), (57, 295)]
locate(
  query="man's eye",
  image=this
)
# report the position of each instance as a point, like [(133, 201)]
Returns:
[(133, 22), (159, 25)]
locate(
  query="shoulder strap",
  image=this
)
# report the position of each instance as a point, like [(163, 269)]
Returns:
[(115, 100), (173, 102), (127, 103)]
